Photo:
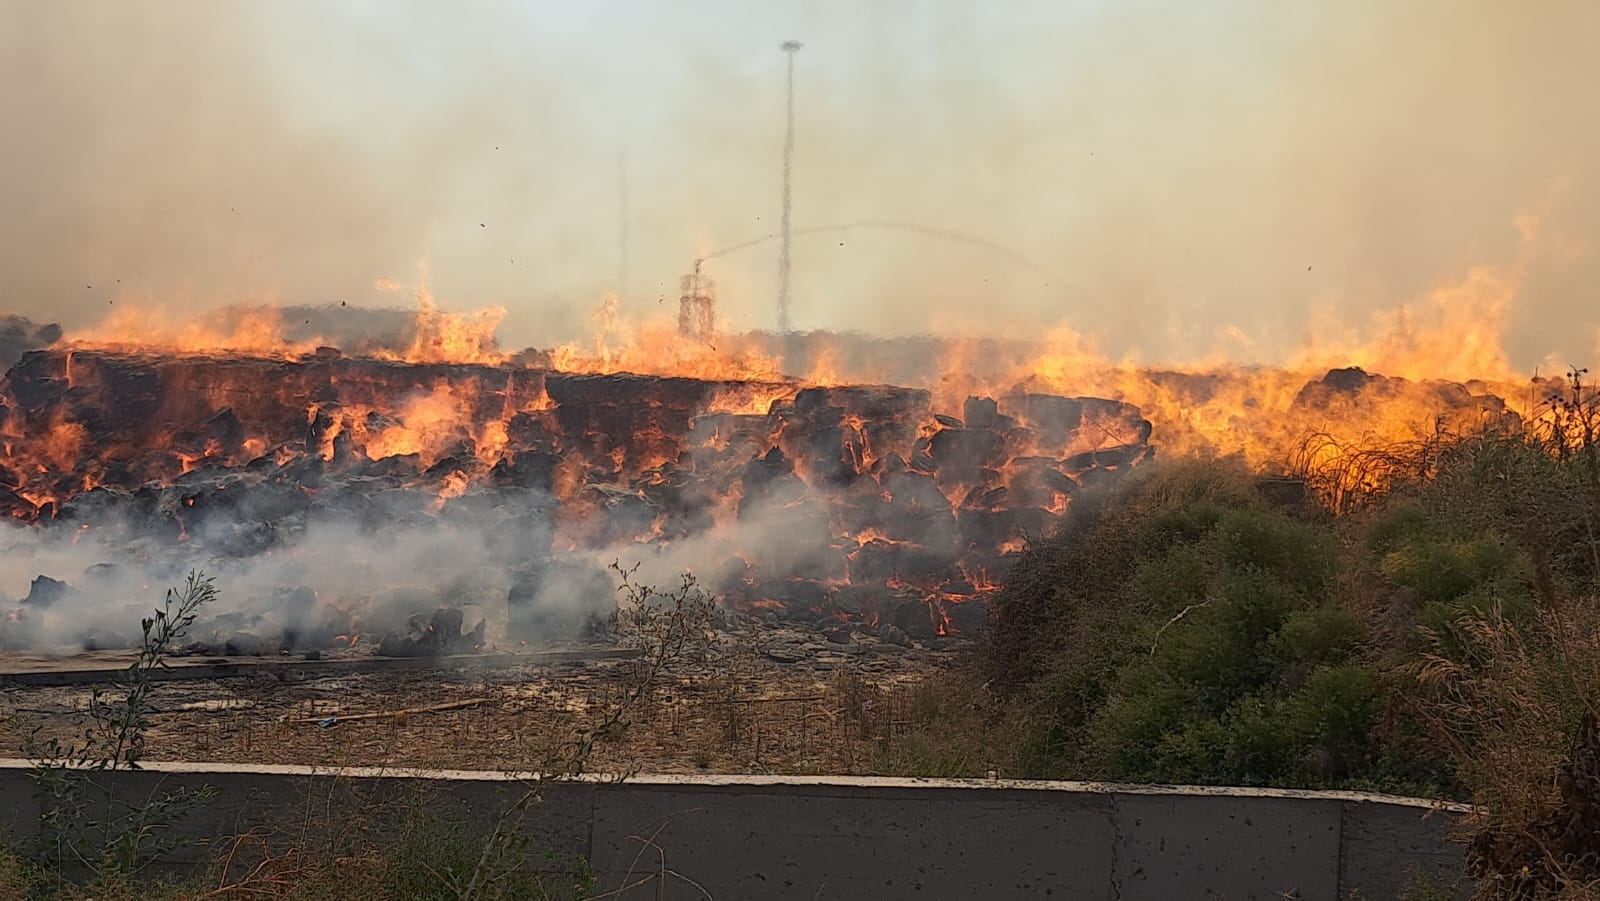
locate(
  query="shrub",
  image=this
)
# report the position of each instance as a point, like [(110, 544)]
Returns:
[(1067, 594), (1186, 630), (1316, 637)]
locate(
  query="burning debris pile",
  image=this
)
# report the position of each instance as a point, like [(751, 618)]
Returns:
[(859, 503)]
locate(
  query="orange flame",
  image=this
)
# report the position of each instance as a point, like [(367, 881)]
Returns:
[(259, 330)]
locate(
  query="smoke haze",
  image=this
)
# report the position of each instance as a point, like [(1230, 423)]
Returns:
[(1274, 168), (308, 578)]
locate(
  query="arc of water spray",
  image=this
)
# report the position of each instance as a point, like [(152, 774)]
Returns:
[(925, 231)]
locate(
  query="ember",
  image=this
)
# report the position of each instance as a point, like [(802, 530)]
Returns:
[(857, 503)]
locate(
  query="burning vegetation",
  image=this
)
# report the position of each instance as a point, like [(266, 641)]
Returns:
[(356, 471)]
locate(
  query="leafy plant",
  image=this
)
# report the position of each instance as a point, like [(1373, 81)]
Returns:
[(85, 826), (668, 626)]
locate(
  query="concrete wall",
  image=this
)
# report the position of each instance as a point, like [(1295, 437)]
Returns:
[(733, 838)]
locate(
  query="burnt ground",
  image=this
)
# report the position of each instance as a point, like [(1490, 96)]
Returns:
[(783, 702)]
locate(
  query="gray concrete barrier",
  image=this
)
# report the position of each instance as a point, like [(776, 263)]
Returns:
[(746, 837)]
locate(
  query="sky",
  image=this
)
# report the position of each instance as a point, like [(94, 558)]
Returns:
[(1173, 179)]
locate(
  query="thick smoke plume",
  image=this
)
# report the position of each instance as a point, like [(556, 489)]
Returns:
[(331, 578), (1189, 167)]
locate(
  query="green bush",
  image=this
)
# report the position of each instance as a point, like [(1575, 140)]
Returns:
[(436, 861), (1251, 689), (1186, 630), (1180, 576), (1183, 628), (1217, 651), (1316, 637), (1444, 570), (1332, 715), (1297, 555), (1068, 595), (1451, 577)]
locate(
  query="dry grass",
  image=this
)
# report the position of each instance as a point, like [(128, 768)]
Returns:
[(951, 728), (1515, 698), (742, 715), (1506, 707)]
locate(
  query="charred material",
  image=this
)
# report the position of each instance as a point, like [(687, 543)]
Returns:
[(1353, 391), (435, 636), (854, 502)]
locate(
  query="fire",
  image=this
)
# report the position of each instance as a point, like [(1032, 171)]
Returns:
[(750, 398), (455, 485), (1450, 334), (260, 330), (912, 496), (423, 425), (657, 349), (449, 337), (868, 535), (65, 443), (980, 579)]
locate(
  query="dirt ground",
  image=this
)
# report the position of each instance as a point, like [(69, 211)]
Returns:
[(808, 707)]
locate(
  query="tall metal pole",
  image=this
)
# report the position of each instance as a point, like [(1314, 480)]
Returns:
[(790, 48)]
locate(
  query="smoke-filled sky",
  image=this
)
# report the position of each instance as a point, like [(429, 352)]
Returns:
[(1169, 168)]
